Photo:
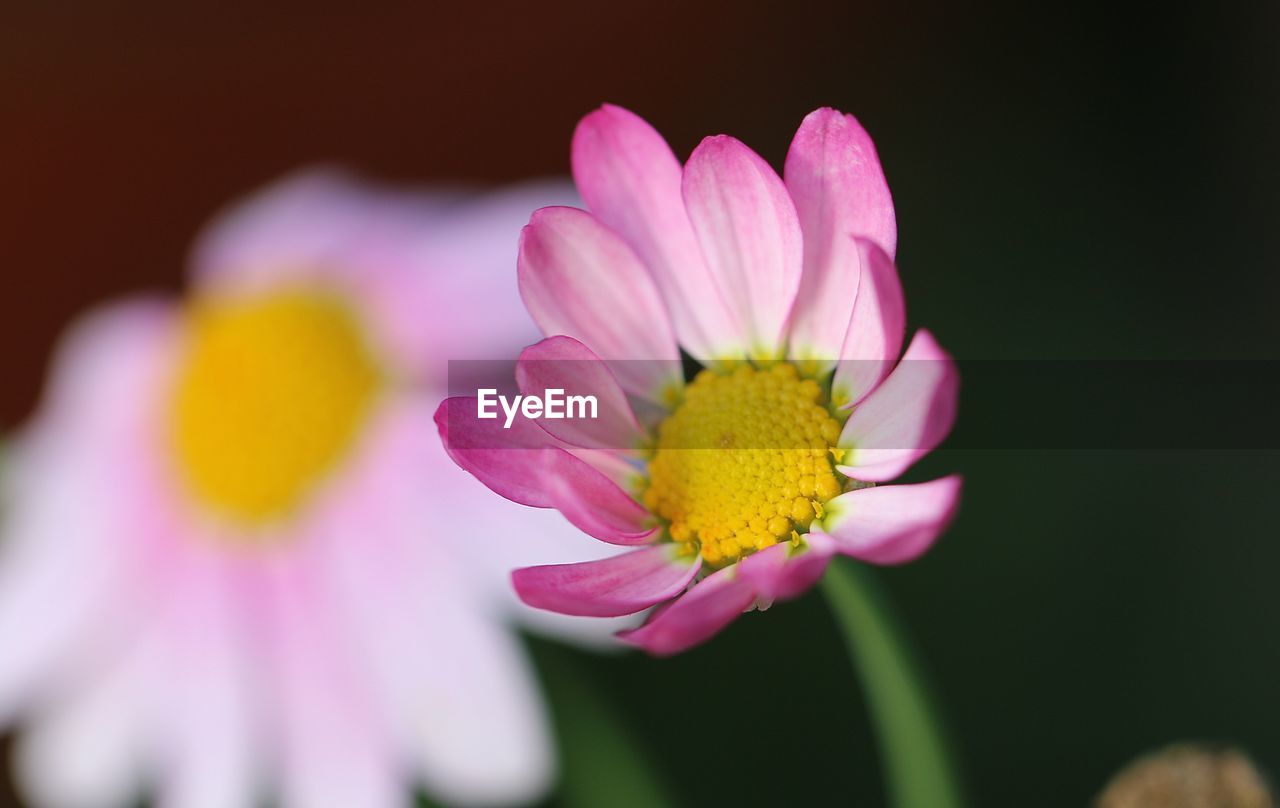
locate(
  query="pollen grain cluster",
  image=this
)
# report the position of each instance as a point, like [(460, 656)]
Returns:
[(744, 462)]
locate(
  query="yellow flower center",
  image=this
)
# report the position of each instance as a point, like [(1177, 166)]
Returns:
[(272, 391), (744, 461)]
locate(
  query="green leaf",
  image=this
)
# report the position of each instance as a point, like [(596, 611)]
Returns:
[(917, 766), (601, 761)]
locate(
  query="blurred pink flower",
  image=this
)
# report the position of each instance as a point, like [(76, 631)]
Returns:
[(238, 562), (741, 486)]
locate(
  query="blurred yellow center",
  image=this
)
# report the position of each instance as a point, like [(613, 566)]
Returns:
[(272, 391), (745, 461)]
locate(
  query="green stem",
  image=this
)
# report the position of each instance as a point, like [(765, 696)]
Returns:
[(917, 767)]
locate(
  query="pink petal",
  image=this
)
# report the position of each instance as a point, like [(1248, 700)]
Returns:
[(389, 599), (579, 279), (591, 501), (460, 506), (525, 464), (502, 459), (876, 328), (289, 227), (564, 364), (609, 463), (484, 736), (208, 719), (334, 747), (392, 254), (610, 587), (835, 178), (64, 570), (782, 572), (103, 365), (749, 233), (824, 305), (905, 417), (697, 616), (839, 190), (467, 267), (630, 180), (439, 662), (892, 524)]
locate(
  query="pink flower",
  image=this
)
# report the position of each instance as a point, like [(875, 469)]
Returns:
[(737, 489), (238, 565)]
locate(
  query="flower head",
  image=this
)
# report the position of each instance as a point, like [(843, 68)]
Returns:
[(232, 563), (737, 488)]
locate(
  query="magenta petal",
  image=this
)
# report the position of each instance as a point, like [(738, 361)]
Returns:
[(905, 417), (783, 572), (697, 616), (590, 500), (876, 328), (502, 459), (613, 465), (749, 233), (564, 364), (610, 587), (892, 524), (525, 464), (579, 279), (630, 180), (834, 177)]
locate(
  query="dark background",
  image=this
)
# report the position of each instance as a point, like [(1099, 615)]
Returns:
[(1089, 183)]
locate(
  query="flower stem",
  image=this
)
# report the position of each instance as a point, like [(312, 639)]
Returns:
[(917, 767)]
